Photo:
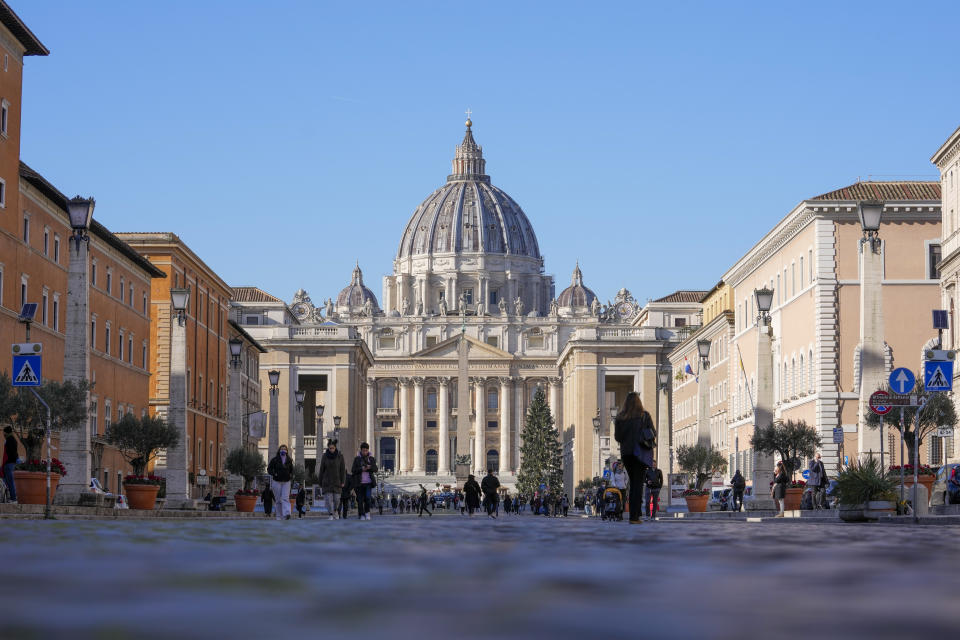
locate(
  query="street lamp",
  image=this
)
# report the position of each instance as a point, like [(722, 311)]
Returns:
[(764, 302), (870, 212), (274, 377), (703, 348), (236, 346), (663, 375), (299, 395), (180, 298), (596, 430), (80, 211), (320, 419)]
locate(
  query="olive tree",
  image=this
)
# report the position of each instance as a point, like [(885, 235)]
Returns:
[(700, 461), (792, 440), (20, 410)]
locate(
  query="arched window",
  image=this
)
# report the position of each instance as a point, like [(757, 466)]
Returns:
[(493, 398), (793, 377), (431, 397), (802, 374), (811, 380), (387, 396), (431, 461), (493, 460)]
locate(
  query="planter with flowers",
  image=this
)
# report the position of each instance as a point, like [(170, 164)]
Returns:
[(31, 480), (794, 496), (139, 440), (865, 492), (248, 464), (696, 500), (142, 491)]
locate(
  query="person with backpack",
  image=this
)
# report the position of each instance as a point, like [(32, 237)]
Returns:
[(489, 487), (471, 490), (739, 485), (654, 483), (267, 497), (635, 432), (281, 472)]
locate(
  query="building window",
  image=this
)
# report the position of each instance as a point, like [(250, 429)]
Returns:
[(934, 255), (468, 296), (93, 273), (130, 349), (46, 241), (387, 340), (3, 193), (431, 341), (493, 460), (23, 291), (4, 117), (493, 341), (535, 339), (120, 346), (144, 304), (93, 332), (107, 418), (106, 340), (432, 398), (495, 297), (679, 322), (43, 310), (387, 396), (56, 312), (56, 248), (93, 416), (130, 301), (386, 424), (431, 424), (143, 354), (26, 229), (121, 289), (492, 424), (492, 399), (109, 282), (431, 461)]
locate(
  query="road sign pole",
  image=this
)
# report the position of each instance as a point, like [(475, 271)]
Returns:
[(46, 510), (901, 454)]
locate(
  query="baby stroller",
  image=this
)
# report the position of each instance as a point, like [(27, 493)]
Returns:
[(612, 504)]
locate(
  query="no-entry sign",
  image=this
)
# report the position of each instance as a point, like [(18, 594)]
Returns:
[(878, 402)]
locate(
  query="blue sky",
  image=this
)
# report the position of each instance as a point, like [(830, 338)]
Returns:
[(656, 143)]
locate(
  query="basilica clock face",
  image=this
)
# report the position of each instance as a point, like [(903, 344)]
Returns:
[(300, 310), (625, 309)]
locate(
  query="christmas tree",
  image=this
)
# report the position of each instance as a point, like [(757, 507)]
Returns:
[(541, 459)]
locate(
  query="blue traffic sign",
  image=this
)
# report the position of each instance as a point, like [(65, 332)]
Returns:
[(938, 375), (27, 370), (902, 380), (806, 474)]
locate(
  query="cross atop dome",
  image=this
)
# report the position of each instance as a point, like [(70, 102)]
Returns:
[(469, 122)]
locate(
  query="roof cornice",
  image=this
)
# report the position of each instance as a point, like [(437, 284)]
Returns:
[(31, 44), (948, 150)]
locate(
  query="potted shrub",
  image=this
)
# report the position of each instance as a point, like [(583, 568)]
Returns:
[(21, 410), (247, 464), (139, 440), (925, 475), (701, 462), (792, 441), (865, 492)]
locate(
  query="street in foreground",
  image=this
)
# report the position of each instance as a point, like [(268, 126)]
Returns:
[(447, 576)]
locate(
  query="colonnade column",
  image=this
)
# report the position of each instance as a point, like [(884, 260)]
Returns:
[(371, 416), (418, 426), (403, 387), (479, 448), (505, 454), (443, 407), (518, 420), (555, 402)]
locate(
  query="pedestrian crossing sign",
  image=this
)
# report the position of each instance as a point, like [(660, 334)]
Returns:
[(27, 370), (938, 375)]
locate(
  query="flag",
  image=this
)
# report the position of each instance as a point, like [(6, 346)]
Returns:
[(687, 369)]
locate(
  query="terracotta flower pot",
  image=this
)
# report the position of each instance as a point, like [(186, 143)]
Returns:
[(32, 486), (245, 504), (793, 498), (141, 496), (696, 504)]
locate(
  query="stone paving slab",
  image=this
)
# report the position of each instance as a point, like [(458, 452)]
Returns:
[(456, 577)]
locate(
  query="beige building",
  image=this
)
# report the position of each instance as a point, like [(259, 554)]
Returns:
[(468, 286), (947, 160), (811, 261)]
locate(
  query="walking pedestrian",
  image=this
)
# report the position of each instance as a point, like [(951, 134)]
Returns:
[(489, 488), (333, 475), (651, 499), (779, 490), (393, 504), (424, 499), (636, 434), (380, 503), (345, 494), (267, 497), (739, 485), (364, 466), (817, 481), (565, 504), (9, 461), (471, 489), (281, 472), (301, 501)]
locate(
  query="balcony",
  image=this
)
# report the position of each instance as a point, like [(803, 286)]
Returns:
[(309, 442), (388, 412)]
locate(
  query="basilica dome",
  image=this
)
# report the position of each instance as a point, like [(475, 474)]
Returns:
[(355, 295), (576, 295), (468, 214)]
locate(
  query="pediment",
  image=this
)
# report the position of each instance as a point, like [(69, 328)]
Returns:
[(449, 350)]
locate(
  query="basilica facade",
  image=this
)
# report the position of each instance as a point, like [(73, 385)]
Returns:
[(442, 367)]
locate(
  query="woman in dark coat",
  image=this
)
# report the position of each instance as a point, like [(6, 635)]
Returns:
[(267, 498), (471, 489), (333, 475), (632, 421), (780, 481)]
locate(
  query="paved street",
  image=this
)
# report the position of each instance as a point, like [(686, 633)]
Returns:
[(404, 577)]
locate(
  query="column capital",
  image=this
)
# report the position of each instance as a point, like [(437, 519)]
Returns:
[(404, 381), (443, 380), (417, 381), (371, 382), (478, 379), (555, 381), (506, 381)]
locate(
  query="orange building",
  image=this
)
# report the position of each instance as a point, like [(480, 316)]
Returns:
[(35, 253), (207, 349)]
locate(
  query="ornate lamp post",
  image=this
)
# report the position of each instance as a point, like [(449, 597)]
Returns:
[(872, 369), (178, 489), (596, 431), (763, 410), (336, 427), (273, 437), (234, 411), (299, 395), (320, 433), (703, 392), (664, 432)]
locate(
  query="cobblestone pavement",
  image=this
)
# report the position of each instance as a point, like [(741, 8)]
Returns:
[(453, 577)]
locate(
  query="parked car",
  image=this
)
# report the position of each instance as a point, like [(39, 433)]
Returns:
[(938, 495)]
